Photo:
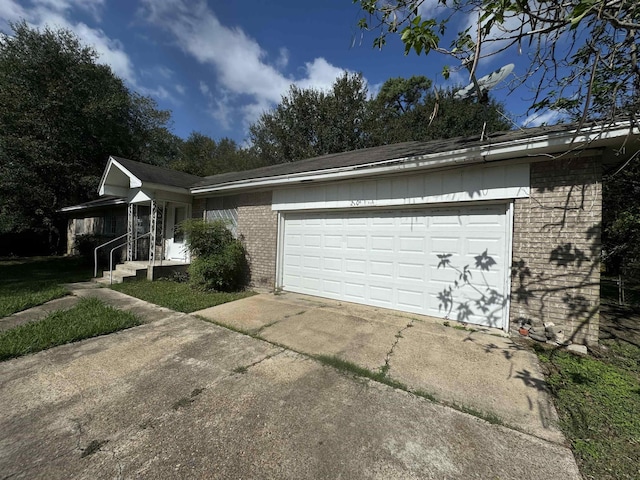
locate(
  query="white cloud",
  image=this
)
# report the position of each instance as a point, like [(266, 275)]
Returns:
[(55, 13), (110, 51), (220, 110), (548, 117), (319, 74), (180, 89), (430, 9), (204, 88), (283, 58), (11, 11), (241, 65), (93, 7)]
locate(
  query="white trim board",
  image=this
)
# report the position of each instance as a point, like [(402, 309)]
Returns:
[(470, 184)]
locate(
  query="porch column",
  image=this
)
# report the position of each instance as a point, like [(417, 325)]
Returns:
[(130, 231), (162, 233), (136, 215), (153, 221)]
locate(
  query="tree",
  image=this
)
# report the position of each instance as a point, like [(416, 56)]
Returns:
[(621, 221), (583, 53), (201, 155), (409, 109), (152, 140), (310, 122), (61, 115)]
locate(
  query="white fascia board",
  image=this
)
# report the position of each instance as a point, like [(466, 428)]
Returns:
[(540, 145), (104, 177), (165, 188), (75, 208), (134, 182)]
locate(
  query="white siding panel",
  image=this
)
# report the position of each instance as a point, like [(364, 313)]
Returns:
[(445, 262), (495, 182)]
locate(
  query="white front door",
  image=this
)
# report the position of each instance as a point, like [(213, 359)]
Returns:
[(444, 262), (175, 244)]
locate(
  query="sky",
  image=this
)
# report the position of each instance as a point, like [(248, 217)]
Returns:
[(218, 64)]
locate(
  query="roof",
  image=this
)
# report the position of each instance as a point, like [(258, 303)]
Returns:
[(148, 173), (541, 142), (106, 201), (410, 151)]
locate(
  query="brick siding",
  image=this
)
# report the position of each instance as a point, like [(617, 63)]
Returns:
[(258, 230), (556, 249)]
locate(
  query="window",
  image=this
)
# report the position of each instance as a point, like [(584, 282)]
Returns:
[(225, 209), (114, 225)]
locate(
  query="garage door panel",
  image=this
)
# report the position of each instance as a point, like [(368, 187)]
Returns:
[(444, 245), (332, 264), (333, 287), (382, 243), (381, 294), (411, 272), (381, 269), (356, 266), (445, 262), (354, 291), (311, 262), (410, 244), (356, 242), (410, 298), (333, 241)]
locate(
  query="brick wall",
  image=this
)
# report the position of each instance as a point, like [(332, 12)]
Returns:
[(556, 247), (258, 230)]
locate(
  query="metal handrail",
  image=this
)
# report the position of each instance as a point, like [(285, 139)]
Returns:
[(116, 248), (95, 253)]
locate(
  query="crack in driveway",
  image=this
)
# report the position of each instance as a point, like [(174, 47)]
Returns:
[(384, 369)]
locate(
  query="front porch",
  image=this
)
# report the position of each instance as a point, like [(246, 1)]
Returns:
[(154, 246)]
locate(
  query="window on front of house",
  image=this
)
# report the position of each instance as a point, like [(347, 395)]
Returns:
[(225, 209), (113, 225)]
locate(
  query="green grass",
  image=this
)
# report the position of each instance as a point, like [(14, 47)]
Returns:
[(88, 318), (177, 296), (598, 400), (27, 282), (347, 366)]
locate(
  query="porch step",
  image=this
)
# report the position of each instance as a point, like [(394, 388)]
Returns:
[(124, 272)]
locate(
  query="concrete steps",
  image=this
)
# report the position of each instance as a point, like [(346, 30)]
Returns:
[(124, 272)]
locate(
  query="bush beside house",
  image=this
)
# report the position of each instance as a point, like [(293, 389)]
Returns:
[(218, 259)]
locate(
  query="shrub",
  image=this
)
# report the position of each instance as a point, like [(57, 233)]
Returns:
[(219, 260), (206, 238), (85, 245)]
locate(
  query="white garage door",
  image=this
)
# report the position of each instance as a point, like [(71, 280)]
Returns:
[(444, 262)]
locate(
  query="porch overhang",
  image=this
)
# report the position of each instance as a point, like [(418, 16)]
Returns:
[(119, 181)]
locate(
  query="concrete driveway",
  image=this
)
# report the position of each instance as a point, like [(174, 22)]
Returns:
[(483, 370), (183, 398)]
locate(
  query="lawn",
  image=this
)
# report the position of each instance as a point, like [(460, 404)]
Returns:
[(27, 282), (88, 318), (176, 295), (598, 400)]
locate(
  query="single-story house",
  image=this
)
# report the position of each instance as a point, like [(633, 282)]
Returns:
[(500, 232)]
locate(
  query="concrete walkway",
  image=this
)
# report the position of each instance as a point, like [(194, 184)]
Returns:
[(182, 398), (484, 372)]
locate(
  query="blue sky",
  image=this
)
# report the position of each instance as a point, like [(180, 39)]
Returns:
[(218, 64)]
